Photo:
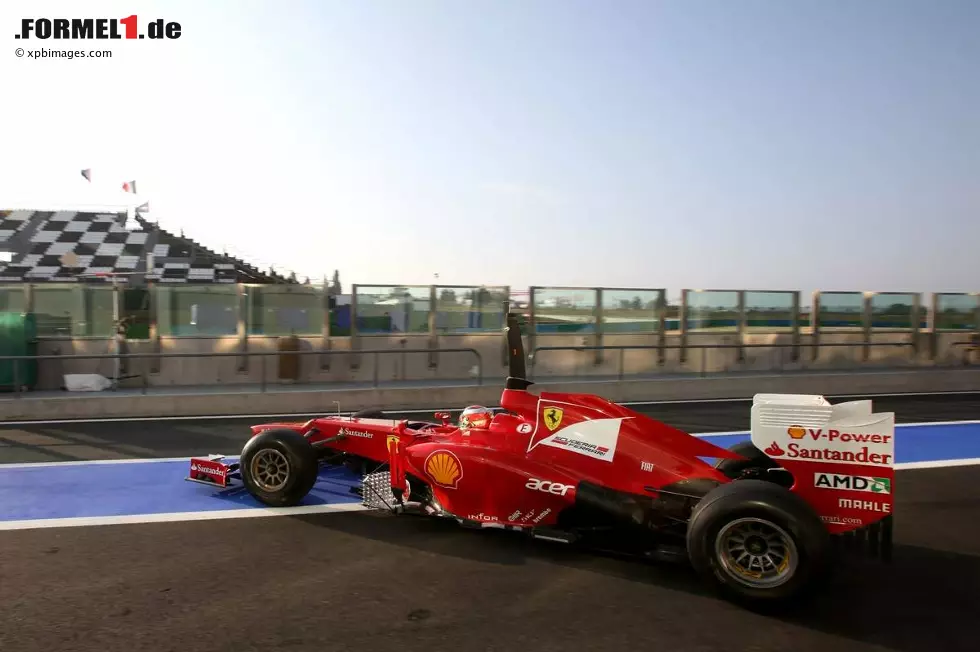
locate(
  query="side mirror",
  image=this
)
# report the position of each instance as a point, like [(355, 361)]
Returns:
[(444, 417)]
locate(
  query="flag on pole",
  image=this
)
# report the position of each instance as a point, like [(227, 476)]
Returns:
[(87, 173), (143, 208), (130, 186)]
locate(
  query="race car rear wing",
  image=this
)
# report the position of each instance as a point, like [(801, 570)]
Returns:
[(842, 459), (808, 427)]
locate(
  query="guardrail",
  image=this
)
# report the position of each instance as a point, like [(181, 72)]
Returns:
[(18, 373), (532, 358)]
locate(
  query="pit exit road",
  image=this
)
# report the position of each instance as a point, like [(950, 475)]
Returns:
[(116, 439), (372, 581), (368, 581)]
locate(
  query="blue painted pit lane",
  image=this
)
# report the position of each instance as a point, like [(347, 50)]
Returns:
[(104, 491), (30, 492)]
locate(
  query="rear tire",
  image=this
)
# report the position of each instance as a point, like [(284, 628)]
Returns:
[(279, 467), (758, 465), (756, 460), (758, 543)]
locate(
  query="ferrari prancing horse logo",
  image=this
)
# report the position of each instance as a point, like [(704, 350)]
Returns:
[(552, 417)]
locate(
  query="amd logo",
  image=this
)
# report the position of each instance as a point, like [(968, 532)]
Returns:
[(548, 487), (867, 484)]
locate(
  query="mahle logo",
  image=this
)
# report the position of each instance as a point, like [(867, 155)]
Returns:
[(864, 483)]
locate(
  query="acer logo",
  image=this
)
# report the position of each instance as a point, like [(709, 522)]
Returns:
[(555, 488)]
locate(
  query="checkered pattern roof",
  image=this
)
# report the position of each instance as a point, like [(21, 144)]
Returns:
[(73, 246)]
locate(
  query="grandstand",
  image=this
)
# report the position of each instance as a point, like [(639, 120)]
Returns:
[(70, 246)]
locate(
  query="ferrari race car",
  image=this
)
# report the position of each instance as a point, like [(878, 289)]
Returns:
[(757, 520)]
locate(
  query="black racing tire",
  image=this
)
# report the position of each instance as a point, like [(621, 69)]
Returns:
[(755, 459), (284, 449), (757, 465), (369, 413), (729, 509)]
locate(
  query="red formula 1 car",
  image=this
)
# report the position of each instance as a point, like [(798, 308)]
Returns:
[(758, 521)]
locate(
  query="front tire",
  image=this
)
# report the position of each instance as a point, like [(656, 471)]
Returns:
[(279, 467), (758, 543)]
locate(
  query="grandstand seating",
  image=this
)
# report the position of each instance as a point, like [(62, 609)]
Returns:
[(103, 244)]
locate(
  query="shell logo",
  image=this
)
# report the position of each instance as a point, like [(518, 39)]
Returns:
[(444, 468), (796, 432)]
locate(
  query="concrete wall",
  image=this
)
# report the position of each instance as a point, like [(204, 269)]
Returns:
[(107, 405)]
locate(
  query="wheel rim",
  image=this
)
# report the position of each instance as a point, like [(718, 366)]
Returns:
[(756, 552), (270, 470)]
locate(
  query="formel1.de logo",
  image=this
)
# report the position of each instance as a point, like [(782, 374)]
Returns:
[(79, 29)]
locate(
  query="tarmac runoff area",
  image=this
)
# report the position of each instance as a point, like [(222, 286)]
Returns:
[(188, 565)]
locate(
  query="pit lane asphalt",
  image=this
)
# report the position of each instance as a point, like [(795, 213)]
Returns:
[(59, 442), (368, 581)]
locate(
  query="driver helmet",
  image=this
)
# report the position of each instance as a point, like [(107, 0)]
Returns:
[(475, 416)]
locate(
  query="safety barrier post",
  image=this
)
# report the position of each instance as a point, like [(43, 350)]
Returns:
[(503, 329), (433, 333), (815, 326), (597, 316), (532, 326), (28, 298), (154, 310), (242, 326), (976, 317), (916, 323), (740, 326), (682, 326), (795, 332), (325, 344), (867, 315), (662, 327), (355, 338)]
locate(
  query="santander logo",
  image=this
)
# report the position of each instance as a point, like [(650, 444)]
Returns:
[(774, 450)]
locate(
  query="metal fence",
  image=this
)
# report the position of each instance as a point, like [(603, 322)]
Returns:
[(153, 360), (784, 357)]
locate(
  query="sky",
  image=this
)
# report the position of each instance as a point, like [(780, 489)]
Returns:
[(784, 145)]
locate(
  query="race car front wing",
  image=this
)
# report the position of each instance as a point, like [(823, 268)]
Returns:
[(211, 470)]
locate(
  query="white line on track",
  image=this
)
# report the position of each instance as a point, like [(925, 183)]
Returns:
[(231, 417), (937, 464), (173, 517), (133, 460)]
